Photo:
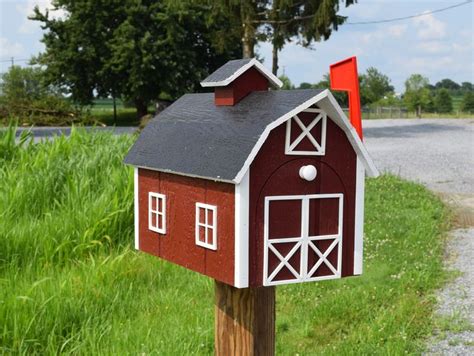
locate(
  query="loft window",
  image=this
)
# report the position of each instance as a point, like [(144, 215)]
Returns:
[(157, 212), (306, 133), (206, 226)]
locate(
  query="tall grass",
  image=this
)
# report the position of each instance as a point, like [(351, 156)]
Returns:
[(70, 282)]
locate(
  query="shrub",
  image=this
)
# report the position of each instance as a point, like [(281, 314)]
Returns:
[(443, 101), (24, 95), (467, 104)]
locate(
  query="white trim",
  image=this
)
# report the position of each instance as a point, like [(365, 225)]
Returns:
[(254, 62), (136, 201), (169, 171), (359, 218), (241, 265), (330, 105), (306, 133), (159, 197), (303, 242), (327, 103), (206, 225)]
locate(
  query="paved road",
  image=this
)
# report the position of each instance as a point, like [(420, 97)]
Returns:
[(436, 152), (42, 133)]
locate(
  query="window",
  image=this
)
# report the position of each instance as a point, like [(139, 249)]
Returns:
[(306, 133), (206, 226), (157, 212)]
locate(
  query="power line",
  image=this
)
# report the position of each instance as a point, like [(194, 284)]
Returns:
[(409, 17), (15, 60)]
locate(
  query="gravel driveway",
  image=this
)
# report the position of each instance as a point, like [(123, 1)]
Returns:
[(438, 153)]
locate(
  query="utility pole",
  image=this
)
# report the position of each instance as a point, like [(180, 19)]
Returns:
[(13, 61)]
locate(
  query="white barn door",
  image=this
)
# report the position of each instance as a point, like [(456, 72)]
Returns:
[(302, 238)]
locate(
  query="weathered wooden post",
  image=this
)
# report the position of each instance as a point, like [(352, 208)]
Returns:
[(254, 188), (244, 320)]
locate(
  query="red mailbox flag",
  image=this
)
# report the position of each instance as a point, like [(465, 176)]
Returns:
[(343, 76)]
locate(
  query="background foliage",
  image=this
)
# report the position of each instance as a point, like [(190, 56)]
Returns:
[(23, 93), (138, 50)]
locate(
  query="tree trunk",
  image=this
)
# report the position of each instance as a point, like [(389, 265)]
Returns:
[(115, 109), (247, 43), (245, 320), (142, 107), (275, 60), (248, 40)]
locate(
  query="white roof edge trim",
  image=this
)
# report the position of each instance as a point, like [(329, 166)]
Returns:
[(254, 62), (354, 138), (183, 174), (339, 116)]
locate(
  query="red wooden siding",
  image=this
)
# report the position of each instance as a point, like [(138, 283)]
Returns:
[(274, 173), (251, 80), (178, 244)]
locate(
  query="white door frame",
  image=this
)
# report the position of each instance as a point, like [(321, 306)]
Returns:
[(303, 242)]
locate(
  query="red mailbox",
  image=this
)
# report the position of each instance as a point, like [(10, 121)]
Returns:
[(252, 186)]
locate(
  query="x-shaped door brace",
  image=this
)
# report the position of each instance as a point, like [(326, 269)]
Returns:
[(306, 132), (284, 260), (323, 257)]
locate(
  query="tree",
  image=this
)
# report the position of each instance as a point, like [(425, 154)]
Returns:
[(305, 22), (443, 101), (281, 21), (467, 104), (447, 84), (466, 87), (305, 85), (374, 86), (137, 49), (287, 85), (21, 84), (340, 96), (23, 93), (417, 96)]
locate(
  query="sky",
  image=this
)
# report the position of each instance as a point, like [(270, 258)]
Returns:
[(439, 45)]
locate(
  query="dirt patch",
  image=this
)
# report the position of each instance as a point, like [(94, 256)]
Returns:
[(463, 208)]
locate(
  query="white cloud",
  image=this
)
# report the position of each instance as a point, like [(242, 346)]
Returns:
[(26, 9), (428, 64), (434, 47), (10, 49), (397, 30), (429, 27), (382, 34)]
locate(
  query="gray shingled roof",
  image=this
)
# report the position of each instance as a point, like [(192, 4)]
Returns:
[(226, 70), (195, 137)]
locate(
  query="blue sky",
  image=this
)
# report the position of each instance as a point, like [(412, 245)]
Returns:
[(439, 45)]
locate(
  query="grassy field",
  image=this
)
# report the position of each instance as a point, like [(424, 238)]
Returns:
[(71, 283)]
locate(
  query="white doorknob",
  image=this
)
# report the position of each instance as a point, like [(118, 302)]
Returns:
[(308, 172)]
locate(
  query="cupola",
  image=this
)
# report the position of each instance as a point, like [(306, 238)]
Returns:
[(238, 78)]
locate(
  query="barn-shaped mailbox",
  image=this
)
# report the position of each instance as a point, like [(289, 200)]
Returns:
[(252, 186)]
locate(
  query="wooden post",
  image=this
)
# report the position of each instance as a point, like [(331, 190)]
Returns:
[(244, 320)]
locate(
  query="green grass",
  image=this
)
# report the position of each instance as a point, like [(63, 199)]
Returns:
[(125, 117), (71, 283), (107, 103)]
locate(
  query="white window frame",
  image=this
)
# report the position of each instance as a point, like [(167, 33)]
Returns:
[(206, 225), (152, 196), (320, 147)]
